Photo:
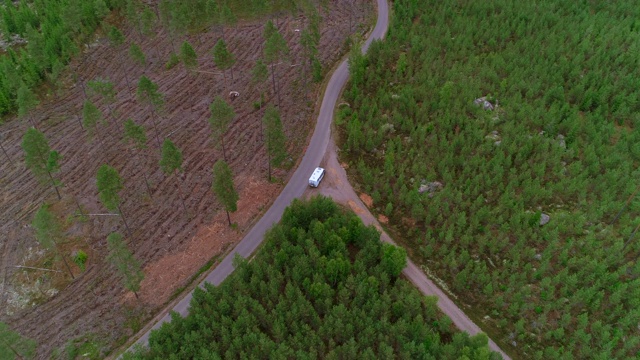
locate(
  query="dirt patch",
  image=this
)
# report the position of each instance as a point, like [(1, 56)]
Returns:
[(366, 199), (209, 241), (164, 235), (383, 219)]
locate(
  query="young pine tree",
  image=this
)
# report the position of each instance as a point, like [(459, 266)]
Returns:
[(148, 93), (39, 157), (14, 346), (49, 233), (91, 117), (127, 265), (221, 116), (223, 59), (260, 74), (137, 55), (104, 89), (274, 138), (223, 187), (171, 163), (26, 101), (188, 56), (109, 184), (136, 135), (275, 49)]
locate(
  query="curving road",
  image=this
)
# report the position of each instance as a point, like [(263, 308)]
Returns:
[(297, 186)]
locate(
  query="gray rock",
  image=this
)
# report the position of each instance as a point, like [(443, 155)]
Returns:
[(482, 101), (430, 187), (538, 257), (497, 143), (544, 219), (494, 135), (561, 142)]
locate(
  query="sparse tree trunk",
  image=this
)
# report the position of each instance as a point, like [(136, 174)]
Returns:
[(65, 262), (6, 154), (155, 127), (124, 220), (184, 206), (224, 152), (228, 218), (273, 80), (12, 349), (146, 179), (126, 76), (33, 123), (79, 207), (53, 183)]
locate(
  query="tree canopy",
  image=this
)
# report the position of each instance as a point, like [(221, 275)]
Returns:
[(470, 122), (316, 289), (223, 187), (109, 185)]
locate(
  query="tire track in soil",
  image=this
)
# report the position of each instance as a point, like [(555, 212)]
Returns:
[(93, 303)]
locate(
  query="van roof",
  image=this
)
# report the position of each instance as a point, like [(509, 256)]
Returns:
[(316, 173)]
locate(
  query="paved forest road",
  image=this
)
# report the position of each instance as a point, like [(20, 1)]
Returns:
[(297, 186)]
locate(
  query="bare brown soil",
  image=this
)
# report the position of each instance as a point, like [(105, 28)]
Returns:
[(366, 199), (170, 243)]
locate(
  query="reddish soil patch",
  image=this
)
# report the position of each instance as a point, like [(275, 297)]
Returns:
[(170, 243), (209, 241), (366, 199), (383, 219)]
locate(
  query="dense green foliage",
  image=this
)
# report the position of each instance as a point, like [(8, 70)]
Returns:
[(14, 346), (317, 289), (51, 29), (49, 232), (40, 159), (274, 138), (127, 265), (223, 187), (563, 140)]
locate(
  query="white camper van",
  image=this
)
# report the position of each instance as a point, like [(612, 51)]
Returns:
[(316, 177)]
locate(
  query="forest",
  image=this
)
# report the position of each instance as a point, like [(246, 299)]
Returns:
[(169, 128), (322, 286), (42, 36), (501, 139)]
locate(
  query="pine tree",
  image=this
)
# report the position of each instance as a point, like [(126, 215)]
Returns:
[(26, 101), (127, 265), (117, 39), (171, 163), (188, 56), (148, 93), (49, 233), (39, 157), (227, 18), (223, 59), (136, 135), (109, 184), (221, 116), (274, 138), (223, 187), (106, 90), (137, 55), (275, 49), (14, 346), (394, 259), (91, 117), (259, 74)]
